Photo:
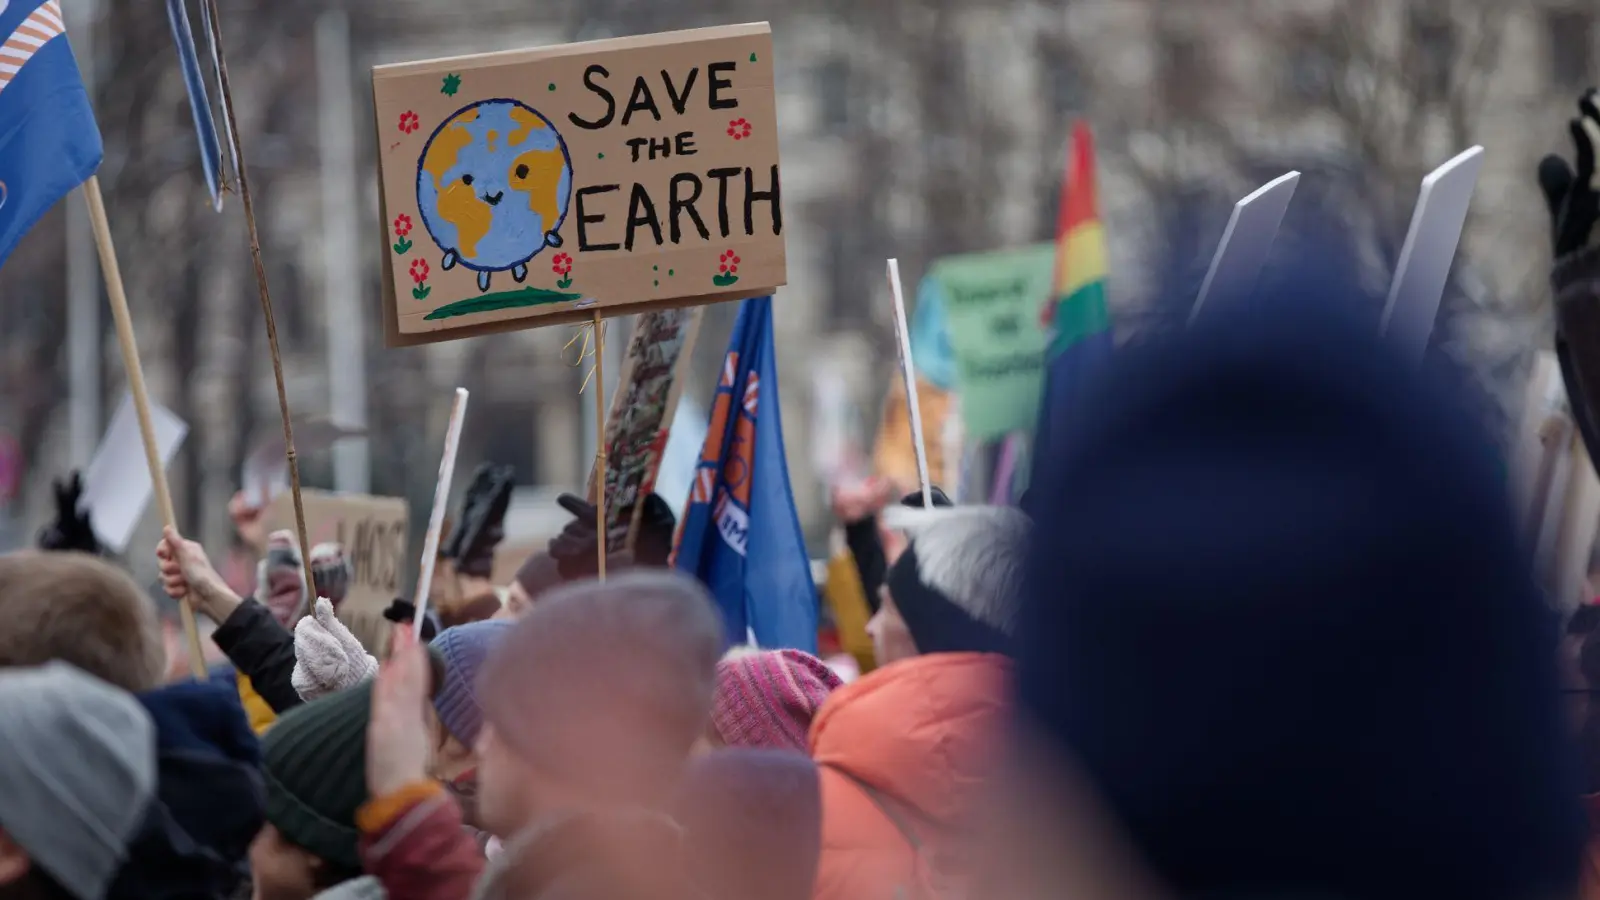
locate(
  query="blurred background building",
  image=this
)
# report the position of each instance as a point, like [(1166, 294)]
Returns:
[(911, 128)]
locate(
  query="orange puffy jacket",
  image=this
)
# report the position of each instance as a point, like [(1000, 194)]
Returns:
[(904, 754)]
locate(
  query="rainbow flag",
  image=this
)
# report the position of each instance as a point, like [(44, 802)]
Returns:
[(1076, 315)]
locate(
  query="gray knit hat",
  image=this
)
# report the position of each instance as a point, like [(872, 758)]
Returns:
[(77, 771)]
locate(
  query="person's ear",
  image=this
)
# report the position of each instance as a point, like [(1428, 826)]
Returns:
[(14, 862)]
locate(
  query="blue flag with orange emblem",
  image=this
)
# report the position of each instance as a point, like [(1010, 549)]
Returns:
[(740, 533), (49, 143)]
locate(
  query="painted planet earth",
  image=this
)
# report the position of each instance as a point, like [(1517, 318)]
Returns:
[(493, 184)]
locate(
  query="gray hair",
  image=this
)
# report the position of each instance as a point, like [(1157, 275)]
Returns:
[(974, 556)]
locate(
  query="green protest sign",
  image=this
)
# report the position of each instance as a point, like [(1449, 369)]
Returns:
[(991, 305)]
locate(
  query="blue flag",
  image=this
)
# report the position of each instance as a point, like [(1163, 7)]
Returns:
[(740, 533), (49, 143), (194, 83)]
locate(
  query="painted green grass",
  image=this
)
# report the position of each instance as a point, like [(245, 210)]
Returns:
[(517, 299)]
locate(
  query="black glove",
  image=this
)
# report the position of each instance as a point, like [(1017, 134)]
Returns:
[(935, 493), (71, 529), (481, 527), (1573, 196), (404, 612), (575, 548), (657, 525)]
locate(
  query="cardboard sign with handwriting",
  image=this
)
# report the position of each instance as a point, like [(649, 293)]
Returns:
[(526, 187), (373, 530)]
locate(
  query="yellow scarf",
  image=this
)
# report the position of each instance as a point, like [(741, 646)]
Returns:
[(848, 600), (260, 713)]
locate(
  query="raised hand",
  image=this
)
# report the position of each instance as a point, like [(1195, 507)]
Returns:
[(1572, 194), (859, 502), (71, 529), (332, 569), (575, 549), (327, 656), (1572, 190), (249, 521), (188, 576), (397, 736)]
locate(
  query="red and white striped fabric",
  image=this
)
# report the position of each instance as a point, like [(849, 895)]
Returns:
[(41, 26)]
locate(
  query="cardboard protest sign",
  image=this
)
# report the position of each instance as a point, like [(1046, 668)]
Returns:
[(935, 358), (524, 188), (373, 530), (990, 305), (1247, 240), (641, 416), (1430, 248), (116, 486)]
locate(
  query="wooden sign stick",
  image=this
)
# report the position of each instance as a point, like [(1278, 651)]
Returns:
[(909, 372), (266, 298), (118, 298), (441, 497)]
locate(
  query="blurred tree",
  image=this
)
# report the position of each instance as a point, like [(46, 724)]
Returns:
[(1365, 97)]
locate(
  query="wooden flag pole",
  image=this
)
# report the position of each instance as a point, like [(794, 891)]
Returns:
[(141, 399), (603, 534), (266, 299)]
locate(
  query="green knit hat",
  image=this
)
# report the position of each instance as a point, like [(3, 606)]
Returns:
[(315, 762)]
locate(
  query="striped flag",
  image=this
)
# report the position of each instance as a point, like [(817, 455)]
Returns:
[(1076, 316), (49, 143)]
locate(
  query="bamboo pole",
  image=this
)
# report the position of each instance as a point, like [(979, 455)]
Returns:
[(141, 399), (266, 303)]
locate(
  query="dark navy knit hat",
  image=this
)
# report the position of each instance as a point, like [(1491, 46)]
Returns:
[(1277, 613), (210, 800)]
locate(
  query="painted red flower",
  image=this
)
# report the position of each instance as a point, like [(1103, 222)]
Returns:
[(419, 270), (729, 262), (402, 225), (739, 129), (561, 264), (409, 122)]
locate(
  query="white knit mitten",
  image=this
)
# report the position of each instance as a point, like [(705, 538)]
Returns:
[(327, 657)]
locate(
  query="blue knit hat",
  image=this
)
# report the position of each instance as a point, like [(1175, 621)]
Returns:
[(1277, 613), (210, 800), (464, 648)]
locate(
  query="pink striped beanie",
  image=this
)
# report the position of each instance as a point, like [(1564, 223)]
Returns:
[(767, 699)]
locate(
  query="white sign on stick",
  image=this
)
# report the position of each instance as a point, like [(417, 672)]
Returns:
[(1247, 240), (1430, 247), (116, 486)]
